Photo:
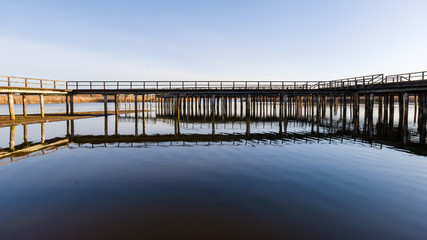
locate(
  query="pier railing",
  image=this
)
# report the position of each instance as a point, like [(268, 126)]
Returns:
[(346, 83), (22, 82), (406, 77), (355, 82)]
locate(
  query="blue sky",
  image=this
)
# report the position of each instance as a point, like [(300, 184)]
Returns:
[(211, 40)]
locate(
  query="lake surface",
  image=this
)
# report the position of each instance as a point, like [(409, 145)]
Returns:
[(159, 176)]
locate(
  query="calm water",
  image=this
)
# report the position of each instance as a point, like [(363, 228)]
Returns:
[(160, 177)]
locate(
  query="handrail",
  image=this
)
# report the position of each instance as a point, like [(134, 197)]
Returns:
[(359, 82), (24, 82)]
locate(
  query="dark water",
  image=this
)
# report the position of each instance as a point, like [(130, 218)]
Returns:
[(222, 178)]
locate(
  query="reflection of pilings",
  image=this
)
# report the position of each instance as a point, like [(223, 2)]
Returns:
[(106, 125), (25, 133), (12, 138), (42, 129), (72, 128), (116, 124)]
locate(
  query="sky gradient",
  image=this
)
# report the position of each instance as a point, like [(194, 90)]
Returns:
[(211, 40)]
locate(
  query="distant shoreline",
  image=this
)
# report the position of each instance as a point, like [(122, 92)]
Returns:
[(35, 99)]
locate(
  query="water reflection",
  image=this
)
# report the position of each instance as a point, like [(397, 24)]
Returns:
[(227, 119)]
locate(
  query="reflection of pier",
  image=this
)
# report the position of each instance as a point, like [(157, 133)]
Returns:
[(313, 128), (254, 138)]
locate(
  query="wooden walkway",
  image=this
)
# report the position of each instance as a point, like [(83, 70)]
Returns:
[(177, 96)]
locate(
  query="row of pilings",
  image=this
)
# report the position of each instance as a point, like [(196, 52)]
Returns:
[(269, 105)]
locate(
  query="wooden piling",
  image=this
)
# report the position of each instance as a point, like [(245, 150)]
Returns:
[(136, 105), (116, 105), (67, 106), (11, 106), (72, 104), (41, 106), (24, 105), (105, 106)]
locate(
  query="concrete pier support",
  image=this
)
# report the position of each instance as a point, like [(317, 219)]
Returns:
[(11, 106), (41, 106), (24, 105)]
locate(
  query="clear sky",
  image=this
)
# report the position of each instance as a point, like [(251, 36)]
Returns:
[(211, 40)]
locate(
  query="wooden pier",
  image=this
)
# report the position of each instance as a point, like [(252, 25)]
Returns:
[(184, 98)]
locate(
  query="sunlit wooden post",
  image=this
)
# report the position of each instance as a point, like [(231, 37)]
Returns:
[(41, 106), (24, 105), (11, 106)]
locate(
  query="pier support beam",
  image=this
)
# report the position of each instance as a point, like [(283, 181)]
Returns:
[(41, 106), (248, 105), (24, 105), (143, 106), (116, 105), (213, 106), (405, 118), (11, 106), (136, 106), (105, 106), (72, 104), (67, 107)]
